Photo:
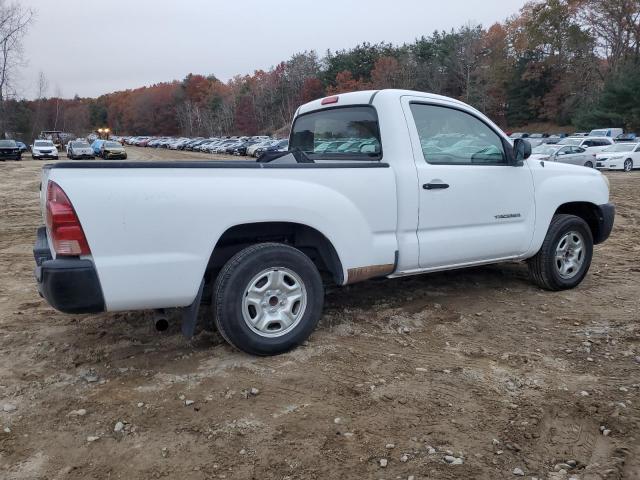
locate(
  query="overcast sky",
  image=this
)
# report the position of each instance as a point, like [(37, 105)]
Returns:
[(90, 47)]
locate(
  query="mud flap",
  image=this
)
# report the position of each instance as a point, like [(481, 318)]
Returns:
[(190, 314)]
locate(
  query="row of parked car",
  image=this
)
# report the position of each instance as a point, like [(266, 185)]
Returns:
[(535, 139), (245, 146), (599, 152)]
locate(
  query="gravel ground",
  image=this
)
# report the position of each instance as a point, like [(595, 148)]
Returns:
[(472, 374)]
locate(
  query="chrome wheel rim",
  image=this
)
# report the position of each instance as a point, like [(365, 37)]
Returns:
[(570, 253), (628, 166), (274, 302)]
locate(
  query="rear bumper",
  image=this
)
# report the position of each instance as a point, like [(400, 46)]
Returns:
[(70, 285), (606, 214)]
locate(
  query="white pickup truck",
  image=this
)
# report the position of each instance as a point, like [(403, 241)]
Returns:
[(377, 184)]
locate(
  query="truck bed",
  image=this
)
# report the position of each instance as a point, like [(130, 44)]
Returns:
[(152, 226)]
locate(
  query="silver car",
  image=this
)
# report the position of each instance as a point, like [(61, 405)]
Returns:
[(79, 149), (564, 154)]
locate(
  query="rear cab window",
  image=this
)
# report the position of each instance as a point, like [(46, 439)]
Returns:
[(339, 133)]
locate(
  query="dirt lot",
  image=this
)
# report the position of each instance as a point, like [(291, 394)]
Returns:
[(478, 362)]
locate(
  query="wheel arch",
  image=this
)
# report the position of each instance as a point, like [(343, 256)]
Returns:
[(310, 241), (587, 211)]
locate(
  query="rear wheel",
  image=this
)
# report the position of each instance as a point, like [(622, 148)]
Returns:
[(628, 165), (268, 299), (588, 164), (565, 256)]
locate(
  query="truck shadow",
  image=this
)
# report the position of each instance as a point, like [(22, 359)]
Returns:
[(441, 287)]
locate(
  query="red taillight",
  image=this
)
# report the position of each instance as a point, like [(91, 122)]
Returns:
[(63, 224), (329, 100)]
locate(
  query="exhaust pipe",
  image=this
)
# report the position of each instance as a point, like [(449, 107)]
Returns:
[(160, 320)]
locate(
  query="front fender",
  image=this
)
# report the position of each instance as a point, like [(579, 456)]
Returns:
[(557, 184)]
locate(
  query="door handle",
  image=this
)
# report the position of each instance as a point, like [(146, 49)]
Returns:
[(433, 186)]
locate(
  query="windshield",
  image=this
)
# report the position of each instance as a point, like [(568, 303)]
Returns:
[(320, 134), (570, 141), (43, 143), (80, 145), (545, 150), (620, 147), (112, 145), (8, 144), (598, 133)]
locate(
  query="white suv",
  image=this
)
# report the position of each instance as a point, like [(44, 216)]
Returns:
[(44, 149)]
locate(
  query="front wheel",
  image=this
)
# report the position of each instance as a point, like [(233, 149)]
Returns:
[(268, 299), (565, 256), (628, 165)]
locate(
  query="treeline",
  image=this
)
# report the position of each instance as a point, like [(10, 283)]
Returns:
[(557, 61)]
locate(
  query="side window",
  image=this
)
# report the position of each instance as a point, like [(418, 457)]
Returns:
[(588, 143), (578, 150), (453, 137)]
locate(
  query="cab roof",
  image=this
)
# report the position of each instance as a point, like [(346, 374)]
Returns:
[(367, 97)]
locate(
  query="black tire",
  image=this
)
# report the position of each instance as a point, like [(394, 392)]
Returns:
[(628, 165), (542, 266), (588, 164), (236, 276)]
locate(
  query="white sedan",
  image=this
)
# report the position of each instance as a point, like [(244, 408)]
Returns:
[(621, 156)]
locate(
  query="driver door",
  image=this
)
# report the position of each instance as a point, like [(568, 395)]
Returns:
[(473, 206)]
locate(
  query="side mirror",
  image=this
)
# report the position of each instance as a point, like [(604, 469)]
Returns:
[(521, 150)]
